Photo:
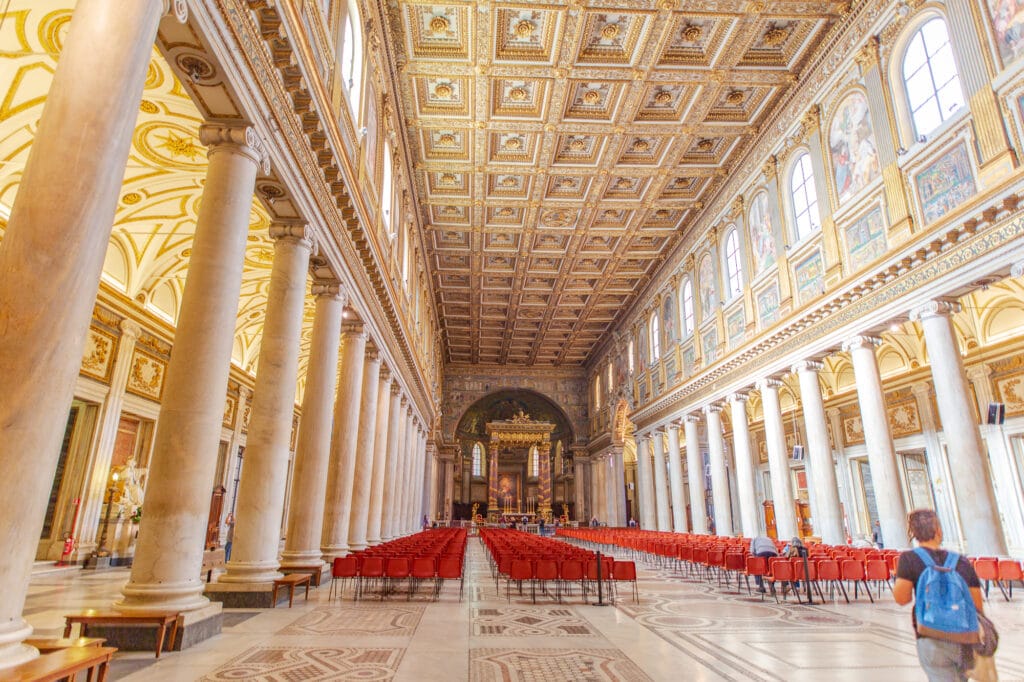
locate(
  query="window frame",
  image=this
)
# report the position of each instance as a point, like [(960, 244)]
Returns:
[(477, 460), (733, 275), (689, 316), (654, 327), (813, 208), (352, 82)]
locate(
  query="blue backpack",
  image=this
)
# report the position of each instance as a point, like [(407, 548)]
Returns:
[(943, 606)]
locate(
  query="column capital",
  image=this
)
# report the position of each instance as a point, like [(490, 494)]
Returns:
[(239, 139), (372, 352), (404, 401), (769, 384), (243, 393), (1017, 269), (739, 397), (396, 388), (296, 230), (862, 341), (130, 329), (351, 327), (179, 8), (978, 372), (807, 366), (938, 307), (692, 417), (712, 408), (921, 389), (673, 425), (867, 57), (385, 372), (832, 412), (327, 288)]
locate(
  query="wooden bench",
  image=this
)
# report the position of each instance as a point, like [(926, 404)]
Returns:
[(48, 645), (64, 663), (212, 559), (291, 581), (161, 619), (314, 570)]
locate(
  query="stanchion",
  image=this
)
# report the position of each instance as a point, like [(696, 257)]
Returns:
[(807, 573), (600, 583)]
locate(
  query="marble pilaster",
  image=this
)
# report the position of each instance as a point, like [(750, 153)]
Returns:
[(892, 510), (695, 475), (344, 442), (745, 489), (782, 496), (380, 452), (719, 475), (826, 511), (313, 450), (968, 463), (254, 554), (362, 481)]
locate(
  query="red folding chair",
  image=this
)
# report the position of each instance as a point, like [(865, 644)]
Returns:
[(342, 568)]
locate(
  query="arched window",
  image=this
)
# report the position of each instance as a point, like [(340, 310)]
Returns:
[(406, 248), (534, 461), (734, 278), (630, 356), (931, 78), (387, 191), (352, 57), (478, 459), (688, 316), (655, 338), (805, 198)]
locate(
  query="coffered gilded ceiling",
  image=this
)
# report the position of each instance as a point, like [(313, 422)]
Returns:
[(561, 148)]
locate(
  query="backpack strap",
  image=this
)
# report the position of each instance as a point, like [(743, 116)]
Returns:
[(951, 560), (925, 556)]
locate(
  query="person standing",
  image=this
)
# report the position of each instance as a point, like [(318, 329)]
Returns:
[(229, 537), (942, 660), (762, 546)]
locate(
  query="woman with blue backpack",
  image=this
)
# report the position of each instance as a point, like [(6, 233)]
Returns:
[(947, 600)]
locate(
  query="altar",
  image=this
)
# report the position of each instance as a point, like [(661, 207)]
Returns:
[(504, 494)]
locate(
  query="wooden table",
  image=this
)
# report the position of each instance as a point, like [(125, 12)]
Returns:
[(48, 645), (290, 581), (314, 570), (161, 619), (64, 663), (212, 559)]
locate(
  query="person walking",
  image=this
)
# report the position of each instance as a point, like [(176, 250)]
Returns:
[(942, 658)]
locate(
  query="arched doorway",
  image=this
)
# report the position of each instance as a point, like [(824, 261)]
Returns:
[(519, 467)]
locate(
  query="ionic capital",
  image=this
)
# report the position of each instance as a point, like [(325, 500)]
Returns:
[(832, 412), (807, 366), (861, 342), (769, 384), (179, 8), (385, 372), (921, 389), (938, 307), (693, 418), (327, 288), (713, 408), (372, 352), (1017, 269), (403, 402), (351, 327), (739, 397), (978, 373), (297, 231), (396, 389), (130, 329), (237, 139)]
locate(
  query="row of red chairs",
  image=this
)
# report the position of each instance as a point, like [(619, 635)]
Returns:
[(433, 555)]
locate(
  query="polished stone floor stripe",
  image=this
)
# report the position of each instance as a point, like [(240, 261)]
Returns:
[(685, 628)]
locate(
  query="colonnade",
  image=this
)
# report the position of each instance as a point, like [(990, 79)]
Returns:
[(661, 480), (358, 468)]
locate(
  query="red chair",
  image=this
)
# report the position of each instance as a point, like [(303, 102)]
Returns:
[(371, 569), (1010, 570), (569, 572), (877, 571), (342, 568), (519, 570), (853, 571), (395, 570), (780, 570), (756, 566), (449, 568), (829, 572), (423, 568), (987, 569), (545, 571), (735, 563), (625, 571)]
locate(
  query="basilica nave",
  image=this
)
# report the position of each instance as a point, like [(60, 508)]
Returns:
[(288, 282)]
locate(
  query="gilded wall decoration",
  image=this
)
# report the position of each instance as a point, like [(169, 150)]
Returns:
[(865, 239), (246, 414), (810, 277), (903, 418), (643, 357), (671, 371), (669, 321), (1010, 391), (945, 184), (689, 360), (370, 138), (768, 304), (706, 287), (98, 354), (146, 376), (1008, 25), (230, 404), (762, 234), (709, 345), (735, 327), (853, 430), (852, 142)]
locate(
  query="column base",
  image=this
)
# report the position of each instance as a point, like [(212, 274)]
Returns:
[(193, 627), (305, 566), (248, 595), (248, 572), (12, 651), (334, 552)]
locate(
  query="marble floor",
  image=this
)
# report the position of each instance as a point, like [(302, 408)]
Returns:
[(684, 628)]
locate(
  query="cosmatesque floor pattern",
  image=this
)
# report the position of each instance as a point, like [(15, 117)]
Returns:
[(685, 627)]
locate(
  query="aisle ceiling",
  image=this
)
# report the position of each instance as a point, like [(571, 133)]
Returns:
[(560, 151)]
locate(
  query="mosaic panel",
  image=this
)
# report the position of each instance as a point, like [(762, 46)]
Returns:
[(530, 621), (518, 665), (374, 619), (287, 664)]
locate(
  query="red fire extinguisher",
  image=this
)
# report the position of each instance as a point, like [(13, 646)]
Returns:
[(70, 541)]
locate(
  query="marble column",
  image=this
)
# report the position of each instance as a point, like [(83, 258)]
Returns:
[(380, 453), (396, 432), (618, 486), (110, 419), (782, 495), (578, 487), (675, 475), (821, 470), (313, 450), (938, 466), (745, 488), (165, 573), (362, 482), (408, 462), (648, 516), (968, 461), (433, 488), (660, 481), (719, 475), (885, 477), (597, 469), (544, 481), (344, 442), (695, 475), (261, 491), (53, 247), (492, 479)]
